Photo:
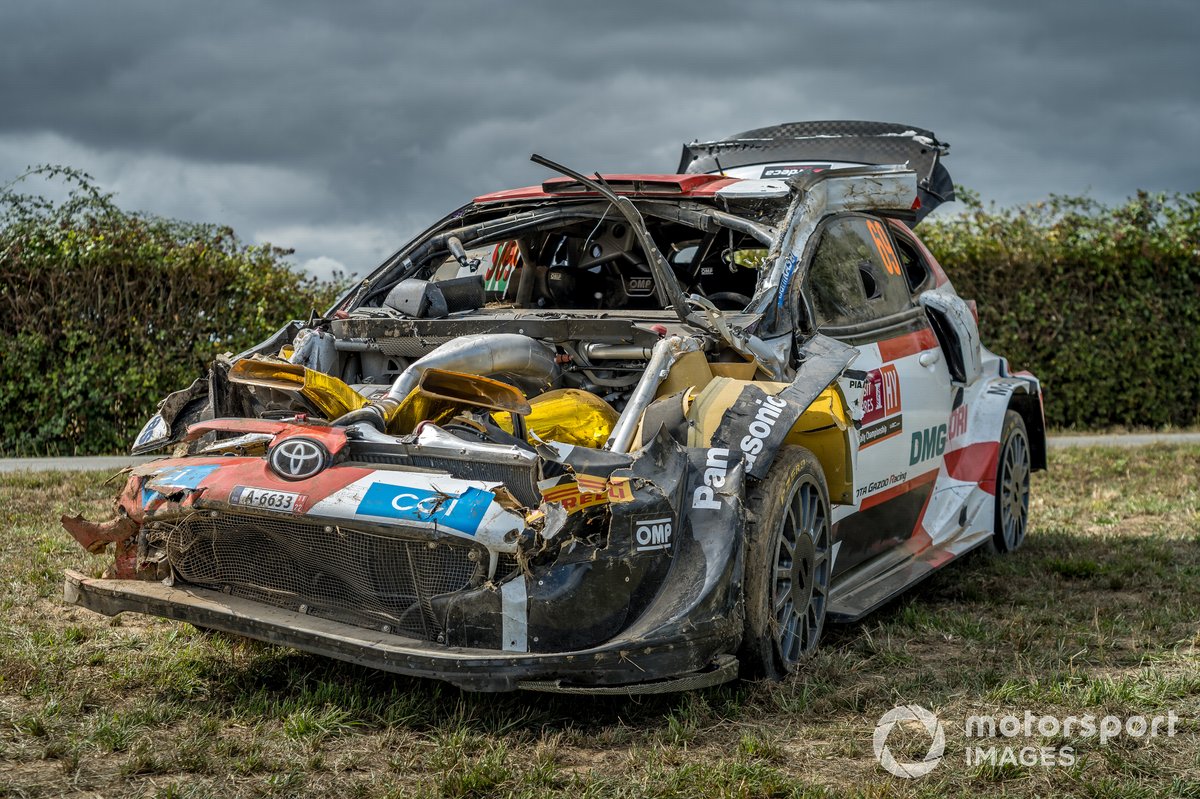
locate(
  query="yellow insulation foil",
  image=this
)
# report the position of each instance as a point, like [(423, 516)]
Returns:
[(442, 394), (327, 394), (567, 415)]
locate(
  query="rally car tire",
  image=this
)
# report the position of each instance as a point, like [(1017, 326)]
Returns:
[(786, 589), (1013, 467)]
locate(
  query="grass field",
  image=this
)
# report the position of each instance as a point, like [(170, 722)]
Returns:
[(1099, 613)]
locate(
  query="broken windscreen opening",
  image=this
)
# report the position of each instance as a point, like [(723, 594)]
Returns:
[(588, 256)]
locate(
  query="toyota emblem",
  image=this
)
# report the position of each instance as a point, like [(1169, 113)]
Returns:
[(298, 458)]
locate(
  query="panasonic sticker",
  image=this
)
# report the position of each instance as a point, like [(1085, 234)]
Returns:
[(765, 419), (716, 469), (463, 512)]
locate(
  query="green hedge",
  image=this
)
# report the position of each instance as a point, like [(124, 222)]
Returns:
[(103, 311), (1102, 303)]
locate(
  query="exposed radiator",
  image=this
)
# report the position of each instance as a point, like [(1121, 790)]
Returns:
[(336, 572)]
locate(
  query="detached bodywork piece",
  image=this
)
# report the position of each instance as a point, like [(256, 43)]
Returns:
[(609, 434)]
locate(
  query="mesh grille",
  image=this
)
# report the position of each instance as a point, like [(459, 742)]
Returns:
[(352, 576), (410, 347)]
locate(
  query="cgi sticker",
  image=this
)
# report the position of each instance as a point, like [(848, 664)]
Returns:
[(463, 512)]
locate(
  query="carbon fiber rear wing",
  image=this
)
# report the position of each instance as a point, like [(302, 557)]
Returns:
[(792, 149)]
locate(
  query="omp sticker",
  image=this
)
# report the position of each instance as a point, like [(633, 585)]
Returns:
[(639, 286), (652, 534), (463, 512)]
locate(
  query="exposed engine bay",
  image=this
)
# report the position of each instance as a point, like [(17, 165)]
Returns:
[(557, 296)]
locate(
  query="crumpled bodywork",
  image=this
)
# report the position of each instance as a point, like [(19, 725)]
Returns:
[(518, 454), (633, 553)]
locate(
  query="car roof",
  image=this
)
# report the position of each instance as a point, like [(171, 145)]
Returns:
[(658, 186)]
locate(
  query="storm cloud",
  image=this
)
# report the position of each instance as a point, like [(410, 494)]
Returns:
[(343, 129)]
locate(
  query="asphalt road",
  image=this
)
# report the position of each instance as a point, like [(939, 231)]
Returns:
[(117, 462)]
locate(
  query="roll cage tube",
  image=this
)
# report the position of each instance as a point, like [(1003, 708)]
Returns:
[(707, 317), (664, 278)]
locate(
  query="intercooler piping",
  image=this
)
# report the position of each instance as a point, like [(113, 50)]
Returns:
[(480, 354), (662, 358)]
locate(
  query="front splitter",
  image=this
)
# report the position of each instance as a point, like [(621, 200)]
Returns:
[(619, 668)]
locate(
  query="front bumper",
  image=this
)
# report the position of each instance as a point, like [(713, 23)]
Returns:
[(621, 666)]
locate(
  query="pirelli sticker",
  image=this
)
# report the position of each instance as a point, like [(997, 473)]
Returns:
[(574, 495)]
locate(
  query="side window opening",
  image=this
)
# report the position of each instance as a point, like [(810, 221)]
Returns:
[(855, 275), (915, 270)]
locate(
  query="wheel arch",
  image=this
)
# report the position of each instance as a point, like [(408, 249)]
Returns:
[(1029, 406)]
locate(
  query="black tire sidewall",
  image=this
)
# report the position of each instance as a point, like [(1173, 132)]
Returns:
[(1013, 425), (766, 507)]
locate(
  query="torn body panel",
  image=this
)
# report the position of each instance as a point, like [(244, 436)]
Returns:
[(521, 453), (649, 576)]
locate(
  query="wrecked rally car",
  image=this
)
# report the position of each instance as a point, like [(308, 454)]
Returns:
[(608, 434)]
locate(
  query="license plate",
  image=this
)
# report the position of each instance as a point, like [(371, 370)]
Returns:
[(266, 499)]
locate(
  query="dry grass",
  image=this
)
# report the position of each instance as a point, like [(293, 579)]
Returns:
[(1097, 614)]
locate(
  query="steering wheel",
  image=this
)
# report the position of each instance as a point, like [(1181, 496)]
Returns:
[(729, 300)]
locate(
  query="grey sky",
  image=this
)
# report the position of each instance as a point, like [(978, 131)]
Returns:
[(343, 129)]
